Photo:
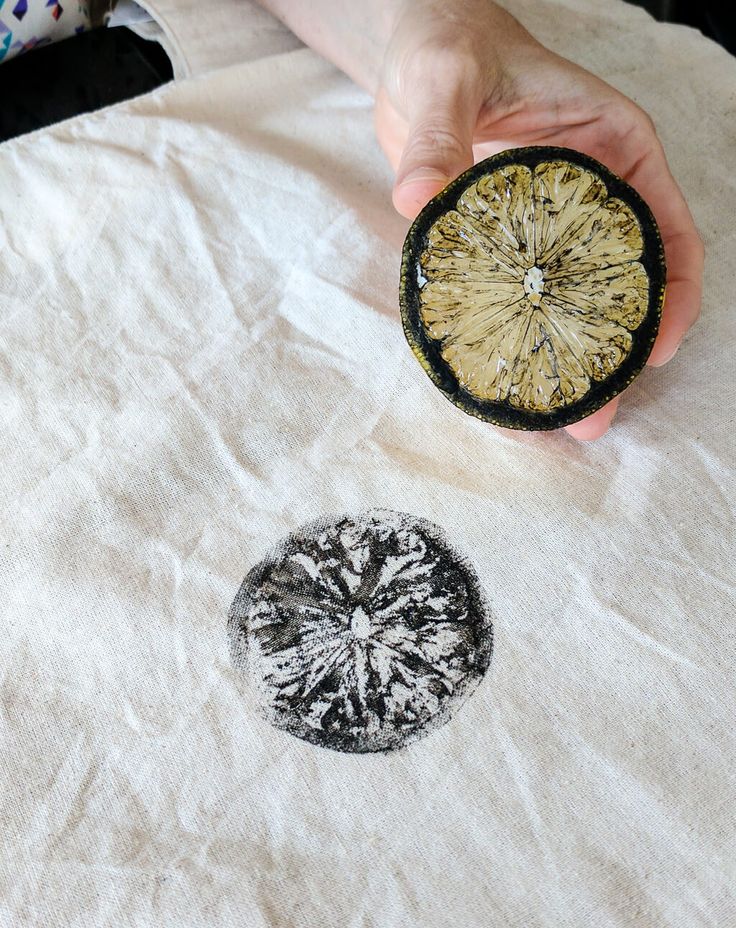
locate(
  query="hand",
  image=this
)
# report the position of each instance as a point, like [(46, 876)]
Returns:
[(456, 82), (464, 80)]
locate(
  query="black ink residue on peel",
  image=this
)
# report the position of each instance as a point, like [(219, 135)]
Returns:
[(361, 633), (429, 350)]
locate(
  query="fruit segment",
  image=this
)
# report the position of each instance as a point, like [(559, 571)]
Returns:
[(533, 284)]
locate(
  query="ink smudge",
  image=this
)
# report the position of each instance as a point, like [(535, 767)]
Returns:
[(361, 633)]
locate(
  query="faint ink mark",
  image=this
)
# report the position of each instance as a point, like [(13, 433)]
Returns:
[(361, 633)]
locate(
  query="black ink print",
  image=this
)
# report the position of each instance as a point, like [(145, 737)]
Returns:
[(361, 633)]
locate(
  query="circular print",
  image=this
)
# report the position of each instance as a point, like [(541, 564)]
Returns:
[(361, 633), (532, 287)]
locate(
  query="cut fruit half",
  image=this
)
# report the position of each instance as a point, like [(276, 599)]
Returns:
[(532, 287)]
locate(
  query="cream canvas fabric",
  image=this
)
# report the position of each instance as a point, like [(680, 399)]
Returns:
[(199, 38), (201, 350)]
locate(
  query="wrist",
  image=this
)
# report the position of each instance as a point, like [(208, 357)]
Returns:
[(352, 35)]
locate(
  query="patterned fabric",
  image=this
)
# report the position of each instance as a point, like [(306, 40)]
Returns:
[(27, 24)]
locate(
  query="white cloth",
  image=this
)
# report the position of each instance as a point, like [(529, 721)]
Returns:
[(201, 350), (200, 38)]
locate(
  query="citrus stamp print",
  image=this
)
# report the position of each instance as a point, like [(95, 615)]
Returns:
[(361, 633)]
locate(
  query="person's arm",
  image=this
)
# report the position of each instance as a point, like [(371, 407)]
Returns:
[(454, 81)]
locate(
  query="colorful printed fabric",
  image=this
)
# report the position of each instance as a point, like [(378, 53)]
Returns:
[(26, 24)]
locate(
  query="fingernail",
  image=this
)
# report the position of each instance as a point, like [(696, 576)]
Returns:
[(669, 357), (425, 175)]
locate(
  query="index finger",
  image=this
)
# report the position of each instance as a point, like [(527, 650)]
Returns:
[(683, 248)]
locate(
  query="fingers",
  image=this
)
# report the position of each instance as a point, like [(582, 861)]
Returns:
[(439, 145), (596, 425), (682, 245), (684, 254)]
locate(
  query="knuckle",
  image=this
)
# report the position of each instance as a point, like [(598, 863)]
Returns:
[(435, 138), (450, 62), (445, 67), (637, 117), (634, 120), (645, 121), (692, 241)]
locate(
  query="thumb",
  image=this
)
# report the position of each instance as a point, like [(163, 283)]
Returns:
[(439, 146)]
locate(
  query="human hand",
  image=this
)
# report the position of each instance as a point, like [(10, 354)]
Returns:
[(462, 81), (456, 82)]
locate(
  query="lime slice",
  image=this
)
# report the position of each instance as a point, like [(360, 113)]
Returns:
[(361, 633), (532, 287)]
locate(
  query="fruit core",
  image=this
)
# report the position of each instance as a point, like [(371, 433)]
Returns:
[(534, 285), (360, 624)]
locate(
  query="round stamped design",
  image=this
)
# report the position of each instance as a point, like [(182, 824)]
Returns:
[(361, 633)]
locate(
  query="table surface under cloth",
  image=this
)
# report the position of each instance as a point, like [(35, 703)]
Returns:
[(201, 349)]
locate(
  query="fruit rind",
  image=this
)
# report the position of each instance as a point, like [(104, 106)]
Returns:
[(428, 350)]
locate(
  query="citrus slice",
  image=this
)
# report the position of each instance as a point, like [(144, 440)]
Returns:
[(532, 287), (361, 633)]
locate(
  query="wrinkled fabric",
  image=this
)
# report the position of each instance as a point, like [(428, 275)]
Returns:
[(199, 38), (201, 350)]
